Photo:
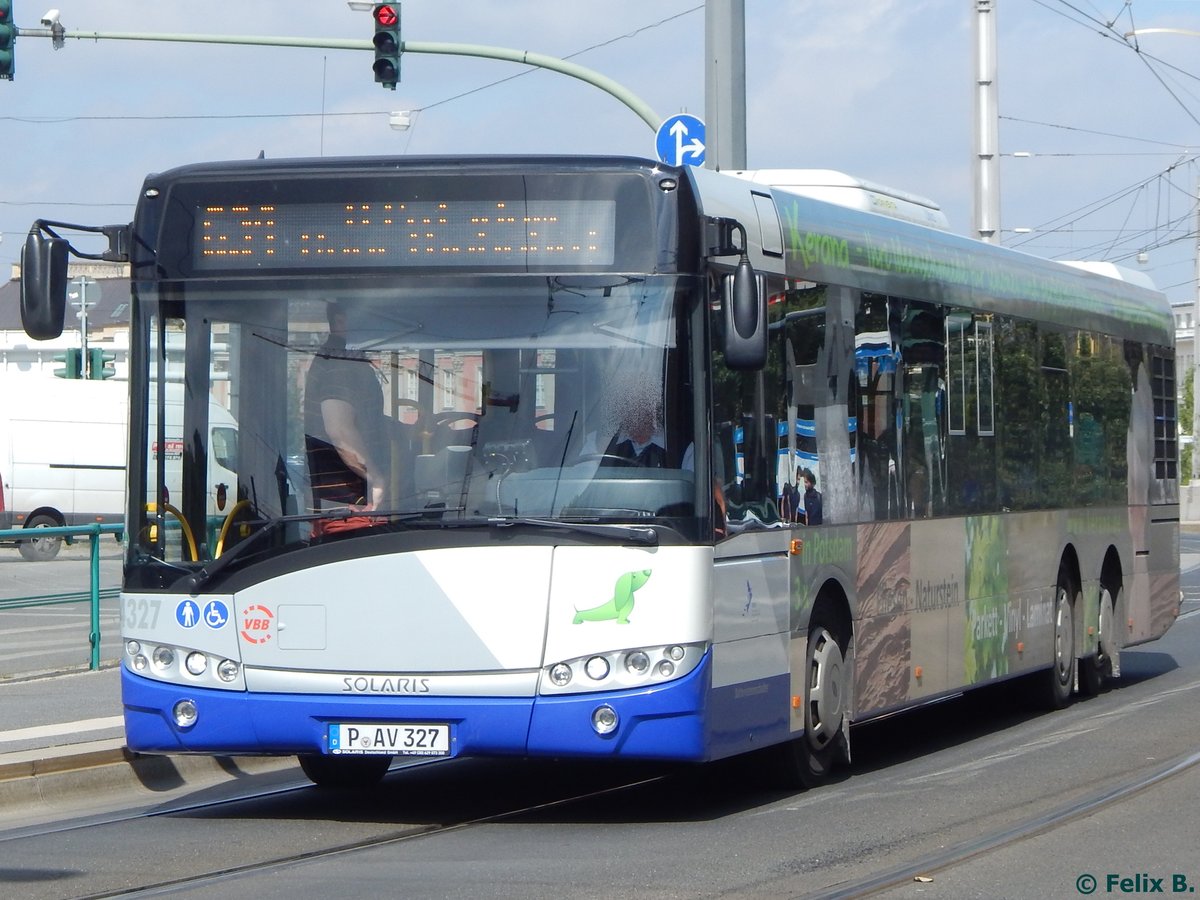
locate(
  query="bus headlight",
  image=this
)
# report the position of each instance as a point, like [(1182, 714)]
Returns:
[(182, 665), (637, 662), (626, 669), (227, 670), (163, 657)]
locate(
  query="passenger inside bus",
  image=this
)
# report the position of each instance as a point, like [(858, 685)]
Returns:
[(346, 432)]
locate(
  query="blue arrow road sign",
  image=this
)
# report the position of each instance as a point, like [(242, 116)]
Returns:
[(680, 141)]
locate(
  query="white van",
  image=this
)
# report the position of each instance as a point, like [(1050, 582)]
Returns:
[(63, 454)]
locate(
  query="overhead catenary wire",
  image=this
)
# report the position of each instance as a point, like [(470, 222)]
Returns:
[(1169, 227)]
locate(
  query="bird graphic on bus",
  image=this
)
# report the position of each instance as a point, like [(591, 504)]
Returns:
[(620, 605)]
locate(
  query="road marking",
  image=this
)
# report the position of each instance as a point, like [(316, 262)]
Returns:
[(45, 731), (969, 769)]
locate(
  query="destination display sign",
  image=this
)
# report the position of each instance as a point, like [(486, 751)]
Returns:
[(474, 233)]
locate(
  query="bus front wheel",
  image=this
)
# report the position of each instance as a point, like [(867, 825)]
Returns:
[(344, 772), (808, 761)]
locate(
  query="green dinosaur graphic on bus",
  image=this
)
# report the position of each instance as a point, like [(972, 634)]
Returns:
[(621, 604)]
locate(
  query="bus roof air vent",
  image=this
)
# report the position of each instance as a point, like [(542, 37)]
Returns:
[(1112, 270), (855, 193)]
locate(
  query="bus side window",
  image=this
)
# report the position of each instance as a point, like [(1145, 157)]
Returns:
[(747, 439)]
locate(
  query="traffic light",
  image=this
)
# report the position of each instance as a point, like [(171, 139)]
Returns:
[(8, 40), (387, 44), (101, 363), (72, 361)]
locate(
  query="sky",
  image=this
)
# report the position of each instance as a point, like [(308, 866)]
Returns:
[(880, 89)]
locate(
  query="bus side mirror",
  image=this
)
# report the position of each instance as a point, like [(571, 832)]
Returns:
[(745, 320), (43, 285)]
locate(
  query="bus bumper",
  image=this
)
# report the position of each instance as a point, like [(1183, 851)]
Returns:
[(666, 722)]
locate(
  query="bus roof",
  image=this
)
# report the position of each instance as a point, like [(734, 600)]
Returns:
[(813, 237), (855, 193), (1112, 270)]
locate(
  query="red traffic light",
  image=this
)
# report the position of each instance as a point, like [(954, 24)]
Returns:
[(386, 15)]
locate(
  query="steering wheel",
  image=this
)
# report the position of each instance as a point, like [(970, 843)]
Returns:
[(404, 404), (445, 419), (606, 459), (445, 435)]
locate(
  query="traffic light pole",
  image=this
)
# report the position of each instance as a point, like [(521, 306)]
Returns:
[(525, 57)]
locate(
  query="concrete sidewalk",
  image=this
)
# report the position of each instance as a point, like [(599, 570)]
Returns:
[(57, 716), (63, 734)]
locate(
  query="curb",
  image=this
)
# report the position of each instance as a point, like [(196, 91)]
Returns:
[(35, 778), (34, 763)]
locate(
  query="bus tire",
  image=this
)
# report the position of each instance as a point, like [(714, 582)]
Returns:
[(808, 761), (1057, 682), (344, 772), (1096, 672), (41, 549)]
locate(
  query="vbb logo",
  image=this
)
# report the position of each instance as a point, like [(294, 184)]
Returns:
[(257, 622)]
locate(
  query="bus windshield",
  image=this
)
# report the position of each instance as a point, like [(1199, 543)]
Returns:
[(336, 408)]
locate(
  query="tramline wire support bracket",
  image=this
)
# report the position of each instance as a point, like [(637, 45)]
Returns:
[(524, 57)]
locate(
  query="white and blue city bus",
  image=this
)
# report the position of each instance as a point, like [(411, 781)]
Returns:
[(499, 575)]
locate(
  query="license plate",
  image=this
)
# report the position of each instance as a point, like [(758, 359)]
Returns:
[(389, 738)]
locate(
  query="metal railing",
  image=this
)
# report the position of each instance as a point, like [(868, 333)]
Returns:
[(94, 593)]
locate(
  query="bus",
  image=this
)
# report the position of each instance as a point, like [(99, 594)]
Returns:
[(507, 473)]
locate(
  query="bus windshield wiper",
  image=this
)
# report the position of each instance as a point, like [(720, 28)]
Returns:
[(209, 570), (637, 534)]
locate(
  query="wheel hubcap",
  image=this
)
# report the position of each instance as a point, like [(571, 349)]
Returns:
[(1107, 637), (825, 688), (1064, 635)]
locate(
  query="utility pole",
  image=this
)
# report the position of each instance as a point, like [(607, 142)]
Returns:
[(83, 283), (1195, 473), (987, 122), (725, 84)]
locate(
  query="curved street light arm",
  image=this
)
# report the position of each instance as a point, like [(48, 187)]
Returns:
[(525, 57)]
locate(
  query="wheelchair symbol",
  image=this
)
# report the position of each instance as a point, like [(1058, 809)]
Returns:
[(216, 614)]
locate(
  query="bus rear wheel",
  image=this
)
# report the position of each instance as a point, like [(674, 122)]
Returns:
[(344, 772), (41, 549), (1096, 672), (1057, 682)]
